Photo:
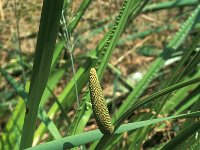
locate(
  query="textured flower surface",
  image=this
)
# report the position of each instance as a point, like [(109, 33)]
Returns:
[(99, 106)]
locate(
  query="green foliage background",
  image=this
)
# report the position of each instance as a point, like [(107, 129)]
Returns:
[(165, 100)]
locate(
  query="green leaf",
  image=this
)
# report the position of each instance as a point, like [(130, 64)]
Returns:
[(183, 136), (49, 24), (155, 67), (86, 137), (169, 4), (129, 111)]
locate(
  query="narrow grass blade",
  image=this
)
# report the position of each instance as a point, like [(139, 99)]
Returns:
[(169, 4), (183, 136), (49, 24), (155, 67), (84, 138), (178, 97), (128, 113), (17, 87), (66, 98), (12, 131), (49, 124)]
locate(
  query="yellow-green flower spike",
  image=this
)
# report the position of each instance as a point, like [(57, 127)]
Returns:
[(99, 106)]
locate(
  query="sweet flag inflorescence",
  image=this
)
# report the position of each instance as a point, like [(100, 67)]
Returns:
[(99, 106)]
